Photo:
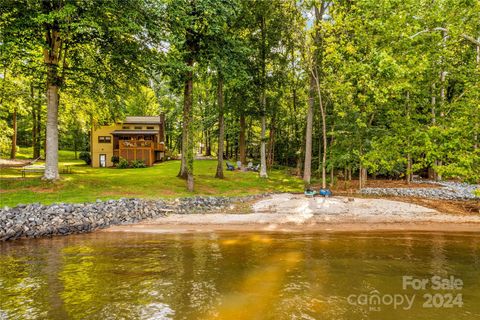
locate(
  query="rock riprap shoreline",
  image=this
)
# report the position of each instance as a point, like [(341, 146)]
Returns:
[(36, 220), (446, 191)]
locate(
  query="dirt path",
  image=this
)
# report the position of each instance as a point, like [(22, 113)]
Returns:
[(296, 213)]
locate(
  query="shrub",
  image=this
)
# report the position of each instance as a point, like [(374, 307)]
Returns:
[(115, 160), (85, 156), (122, 163), (138, 164)]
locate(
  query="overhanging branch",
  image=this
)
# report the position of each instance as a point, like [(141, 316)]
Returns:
[(463, 35)]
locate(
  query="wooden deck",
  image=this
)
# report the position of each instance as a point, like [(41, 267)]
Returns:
[(139, 150)]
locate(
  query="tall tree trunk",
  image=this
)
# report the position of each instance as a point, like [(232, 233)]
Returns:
[(187, 116), (361, 169), (263, 162), (443, 74), (188, 130), (332, 169), (408, 173), (263, 103), (271, 143), (243, 153), (360, 176), (13, 151), (307, 173), (475, 127), (221, 127), (324, 130), (307, 167), (52, 54), (432, 174), (51, 153), (34, 131)]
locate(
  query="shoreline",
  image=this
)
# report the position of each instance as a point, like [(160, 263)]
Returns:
[(280, 212), (430, 227), (296, 213)]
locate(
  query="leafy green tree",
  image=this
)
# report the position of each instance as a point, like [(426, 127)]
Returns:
[(79, 42)]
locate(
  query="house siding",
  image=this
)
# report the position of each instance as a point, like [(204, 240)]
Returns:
[(103, 148), (97, 148)]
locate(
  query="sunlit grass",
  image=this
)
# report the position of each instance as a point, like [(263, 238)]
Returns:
[(86, 184)]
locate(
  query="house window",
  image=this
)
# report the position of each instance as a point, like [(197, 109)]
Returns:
[(138, 128), (150, 127), (104, 139), (125, 127)]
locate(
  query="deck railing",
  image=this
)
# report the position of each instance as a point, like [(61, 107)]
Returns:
[(127, 144), (136, 144)]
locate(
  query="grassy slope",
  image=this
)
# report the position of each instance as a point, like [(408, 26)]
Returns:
[(87, 184)]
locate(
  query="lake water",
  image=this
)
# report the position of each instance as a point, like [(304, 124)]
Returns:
[(241, 276)]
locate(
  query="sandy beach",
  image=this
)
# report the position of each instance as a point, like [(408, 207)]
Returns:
[(297, 213)]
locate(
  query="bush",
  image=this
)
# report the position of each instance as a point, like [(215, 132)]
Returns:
[(123, 163), (138, 164), (85, 156), (115, 160)]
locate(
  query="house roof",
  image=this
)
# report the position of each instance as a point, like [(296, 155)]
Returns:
[(143, 120), (147, 132)]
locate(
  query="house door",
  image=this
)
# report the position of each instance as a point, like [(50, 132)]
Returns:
[(103, 160)]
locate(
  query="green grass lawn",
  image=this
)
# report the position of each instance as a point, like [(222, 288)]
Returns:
[(86, 184)]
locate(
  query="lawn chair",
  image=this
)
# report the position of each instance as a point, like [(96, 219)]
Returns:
[(256, 168), (239, 165), (250, 166), (230, 167), (325, 192), (310, 193)]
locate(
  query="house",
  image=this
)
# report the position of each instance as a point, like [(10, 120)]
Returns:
[(136, 138)]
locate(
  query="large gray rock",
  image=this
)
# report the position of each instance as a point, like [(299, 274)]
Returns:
[(36, 220)]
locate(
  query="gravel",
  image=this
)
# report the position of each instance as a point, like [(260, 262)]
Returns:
[(447, 191)]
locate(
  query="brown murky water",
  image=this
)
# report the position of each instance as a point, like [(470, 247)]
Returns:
[(241, 276)]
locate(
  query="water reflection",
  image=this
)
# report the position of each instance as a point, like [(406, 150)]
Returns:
[(229, 276)]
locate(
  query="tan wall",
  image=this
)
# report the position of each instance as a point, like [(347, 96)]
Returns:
[(107, 148), (102, 148)]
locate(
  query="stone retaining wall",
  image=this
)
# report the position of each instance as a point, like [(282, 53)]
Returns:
[(36, 220)]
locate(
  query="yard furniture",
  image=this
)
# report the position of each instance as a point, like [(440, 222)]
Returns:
[(325, 192), (32, 169), (230, 167), (66, 169)]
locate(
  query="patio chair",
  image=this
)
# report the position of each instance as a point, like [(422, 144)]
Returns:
[(325, 192), (229, 166)]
